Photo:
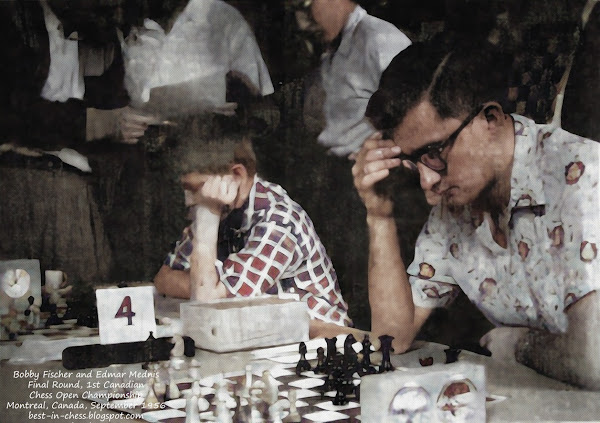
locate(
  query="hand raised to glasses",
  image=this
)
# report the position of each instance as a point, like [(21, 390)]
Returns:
[(213, 192), (373, 163)]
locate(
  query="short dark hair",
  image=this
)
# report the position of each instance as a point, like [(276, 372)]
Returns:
[(211, 152), (455, 78)]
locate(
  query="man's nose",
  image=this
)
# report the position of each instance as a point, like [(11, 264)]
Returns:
[(427, 177)]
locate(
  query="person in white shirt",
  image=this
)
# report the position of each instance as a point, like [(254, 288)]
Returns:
[(514, 223), (207, 40)]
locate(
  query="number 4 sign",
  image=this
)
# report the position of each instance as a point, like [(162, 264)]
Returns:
[(125, 314)]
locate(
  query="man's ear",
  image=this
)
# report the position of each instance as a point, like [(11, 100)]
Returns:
[(493, 113)]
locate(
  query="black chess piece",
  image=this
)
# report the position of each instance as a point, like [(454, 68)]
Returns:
[(350, 359), (365, 365), (303, 364), (331, 351), (341, 392), (452, 355), (320, 367), (53, 319), (386, 349)]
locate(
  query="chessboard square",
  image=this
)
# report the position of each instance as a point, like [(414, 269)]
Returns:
[(325, 416), (301, 393), (330, 406), (157, 416), (313, 374), (307, 383), (128, 402), (293, 358), (176, 403), (275, 372)]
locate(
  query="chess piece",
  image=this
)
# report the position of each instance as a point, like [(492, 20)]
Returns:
[(173, 392), (386, 349), (340, 395), (452, 355), (294, 416), (270, 392), (350, 359), (178, 349), (365, 364), (320, 367), (151, 402), (191, 410), (331, 351), (53, 319), (245, 390), (160, 389), (303, 364), (196, 388)]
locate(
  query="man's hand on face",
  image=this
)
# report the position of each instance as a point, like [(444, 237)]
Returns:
[(373, 164), (213, 192)]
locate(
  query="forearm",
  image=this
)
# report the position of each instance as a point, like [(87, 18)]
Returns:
[(390, 297), (204, 279), (173, 283), (572, 357)]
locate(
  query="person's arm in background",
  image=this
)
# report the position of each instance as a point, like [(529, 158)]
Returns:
[(390, 297), (571, 357)]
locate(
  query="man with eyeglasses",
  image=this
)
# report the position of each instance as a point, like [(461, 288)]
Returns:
[(515, 220)]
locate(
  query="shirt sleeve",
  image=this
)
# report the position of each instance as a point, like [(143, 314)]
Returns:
[(246, 58), (577, 234), (179, 258), (430, 272), (270, 251)]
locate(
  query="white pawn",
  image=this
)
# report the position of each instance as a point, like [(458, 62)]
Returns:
[(196, 389), (160, 389), (173, 391), (191, 410), (151, 402), (294, 416)]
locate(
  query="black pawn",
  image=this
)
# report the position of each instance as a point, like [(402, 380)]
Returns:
[(386, 349), (303, 364), (320, 367), (365, 364)]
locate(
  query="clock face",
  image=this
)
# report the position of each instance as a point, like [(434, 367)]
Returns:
[(15, 282)]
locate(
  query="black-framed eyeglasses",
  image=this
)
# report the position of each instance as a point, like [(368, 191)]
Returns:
[(431, 154)]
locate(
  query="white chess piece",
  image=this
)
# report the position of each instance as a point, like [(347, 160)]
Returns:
[(191, 410), (151, 402), (270, 392), (179, 348), (294, 416)]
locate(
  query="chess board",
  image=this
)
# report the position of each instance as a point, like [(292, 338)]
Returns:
[(313, 404)]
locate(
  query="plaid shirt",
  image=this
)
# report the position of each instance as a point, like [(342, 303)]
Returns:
[(280, 253)]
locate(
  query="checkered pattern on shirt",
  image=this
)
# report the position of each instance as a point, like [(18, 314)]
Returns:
[(282, 254)]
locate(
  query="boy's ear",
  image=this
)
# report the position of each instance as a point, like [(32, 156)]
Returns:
[(238, 170)]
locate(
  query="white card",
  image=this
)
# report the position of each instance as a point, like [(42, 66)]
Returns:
[(125, 314)]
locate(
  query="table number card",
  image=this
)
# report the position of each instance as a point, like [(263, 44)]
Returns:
[(125, 314)]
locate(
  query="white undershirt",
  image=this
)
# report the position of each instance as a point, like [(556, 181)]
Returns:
[(64, 78)]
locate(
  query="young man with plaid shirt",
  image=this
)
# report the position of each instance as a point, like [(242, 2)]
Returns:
[(247, 238)]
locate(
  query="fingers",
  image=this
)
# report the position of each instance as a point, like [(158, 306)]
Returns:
[(221, 190), (133, 124)]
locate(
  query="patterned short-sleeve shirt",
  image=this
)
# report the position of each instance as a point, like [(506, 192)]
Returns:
[(551, 260), (280, 254)]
